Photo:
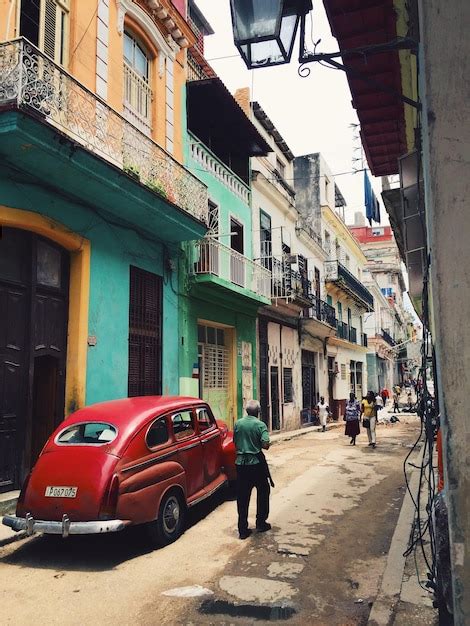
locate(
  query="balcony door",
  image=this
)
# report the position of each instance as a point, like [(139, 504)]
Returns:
[(137, 89), (237, 266), (266, 241)]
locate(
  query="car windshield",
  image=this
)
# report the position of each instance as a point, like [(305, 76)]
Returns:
[(90, 433)]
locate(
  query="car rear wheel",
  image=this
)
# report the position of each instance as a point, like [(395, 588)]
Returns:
[(170, 522)]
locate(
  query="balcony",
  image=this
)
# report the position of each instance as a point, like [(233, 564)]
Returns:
[(342, 331), (83, 147), (352, 334), (321, 311), (337, 274), (387, 337), (210, 163), (287, 283), (364, 340), (217, 266)]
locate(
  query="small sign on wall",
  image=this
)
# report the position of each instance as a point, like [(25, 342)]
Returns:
[(343, 371)]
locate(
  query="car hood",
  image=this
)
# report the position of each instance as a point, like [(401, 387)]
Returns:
[(84, 467)]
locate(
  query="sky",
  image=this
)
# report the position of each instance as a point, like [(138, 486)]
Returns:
[(313, 114)]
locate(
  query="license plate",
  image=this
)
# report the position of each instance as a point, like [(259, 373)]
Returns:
[(61, 492)]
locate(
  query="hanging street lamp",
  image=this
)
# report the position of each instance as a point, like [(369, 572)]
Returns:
[(264, 30)]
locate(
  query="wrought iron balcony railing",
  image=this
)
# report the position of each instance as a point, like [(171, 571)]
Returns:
[(387, 337), (209, 162), (364, 340), (342, 331), (321, 311), (213, 257), (31, 81), (336, 272), (287, 283), (352, 334)]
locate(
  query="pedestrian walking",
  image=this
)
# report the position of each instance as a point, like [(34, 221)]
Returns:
[(385, 395), (352, 414), (323, 412), (251, 437), (410, 400), (369, 416), (396, 406), (379, 403)]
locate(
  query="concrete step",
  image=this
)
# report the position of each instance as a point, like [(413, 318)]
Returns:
[(8, 502)]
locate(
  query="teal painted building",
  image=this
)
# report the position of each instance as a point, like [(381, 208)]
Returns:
[(222, 287), (92, 214)]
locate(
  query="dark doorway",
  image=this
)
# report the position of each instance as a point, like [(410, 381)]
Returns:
[(266, 245), (34, 277), (275, 408), (237, 265), (310, 396), (263, 371), (45, 402)]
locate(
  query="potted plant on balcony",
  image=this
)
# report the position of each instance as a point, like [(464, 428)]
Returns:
[(157, 187), (132, 170)]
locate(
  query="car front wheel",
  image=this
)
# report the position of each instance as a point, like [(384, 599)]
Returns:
[(170, 522)]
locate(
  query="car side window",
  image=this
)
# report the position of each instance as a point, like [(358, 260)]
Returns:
[(205, 419), (158, 433), (183, 425)]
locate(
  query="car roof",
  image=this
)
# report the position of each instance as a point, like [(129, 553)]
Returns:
[(129, 414)]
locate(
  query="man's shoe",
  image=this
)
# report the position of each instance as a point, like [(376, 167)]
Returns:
[(262, 528), (245, 534)]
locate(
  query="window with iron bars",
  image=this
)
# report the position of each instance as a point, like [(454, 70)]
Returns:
[(145, 326)]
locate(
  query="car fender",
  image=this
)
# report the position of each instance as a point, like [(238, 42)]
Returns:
[(140, 494)]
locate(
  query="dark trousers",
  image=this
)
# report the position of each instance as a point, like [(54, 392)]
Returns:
[(249, 476)]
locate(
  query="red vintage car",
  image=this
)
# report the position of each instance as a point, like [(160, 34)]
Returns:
[(132, 461)]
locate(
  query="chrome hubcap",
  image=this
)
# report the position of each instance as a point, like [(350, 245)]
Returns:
[(171, 514)]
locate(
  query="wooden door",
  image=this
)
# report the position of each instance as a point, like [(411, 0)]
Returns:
[(275, 406)]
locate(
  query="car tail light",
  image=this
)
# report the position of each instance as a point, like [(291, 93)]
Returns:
[(24, 488), (110, 499)]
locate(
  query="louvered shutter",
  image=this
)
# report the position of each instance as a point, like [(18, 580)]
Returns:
[(50, 27)]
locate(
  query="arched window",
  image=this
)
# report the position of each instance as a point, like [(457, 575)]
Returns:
[(137, 90)]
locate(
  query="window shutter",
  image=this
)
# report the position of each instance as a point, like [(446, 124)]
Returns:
[(50, 20)]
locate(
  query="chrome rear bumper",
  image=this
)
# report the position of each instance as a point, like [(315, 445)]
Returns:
[(65, 527)]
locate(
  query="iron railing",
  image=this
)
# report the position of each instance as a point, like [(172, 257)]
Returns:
[(213, 257), (342, 331), (364, 340), (336, 272), (31, 81), (387, 337), (352, 334), (210, 163), (322, 311)]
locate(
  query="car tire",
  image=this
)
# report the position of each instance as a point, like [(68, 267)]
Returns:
[(169, 524)]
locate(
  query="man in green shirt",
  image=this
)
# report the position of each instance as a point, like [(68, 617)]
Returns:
[(250, 437)]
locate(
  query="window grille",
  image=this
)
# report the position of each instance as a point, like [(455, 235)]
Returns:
[(145, 314), (287, 379), (215, 364)]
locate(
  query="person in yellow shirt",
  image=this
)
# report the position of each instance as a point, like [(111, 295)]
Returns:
[(369, 416)]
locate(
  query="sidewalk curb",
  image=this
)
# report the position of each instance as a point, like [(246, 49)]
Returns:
[(390, 587), (294, 434)]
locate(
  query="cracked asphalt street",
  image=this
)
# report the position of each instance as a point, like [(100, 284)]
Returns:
[(333, 513)]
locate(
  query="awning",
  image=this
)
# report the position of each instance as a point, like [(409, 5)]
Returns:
[(216, 118), (357, 23)]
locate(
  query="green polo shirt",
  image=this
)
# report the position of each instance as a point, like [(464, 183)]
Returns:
[(249, 433)]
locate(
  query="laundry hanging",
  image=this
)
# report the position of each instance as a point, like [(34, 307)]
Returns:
[(371, 202)]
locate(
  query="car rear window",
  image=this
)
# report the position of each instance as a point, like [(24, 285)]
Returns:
[(96, 433)]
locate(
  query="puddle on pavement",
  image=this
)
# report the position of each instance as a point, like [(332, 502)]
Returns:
[(255, 611)]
